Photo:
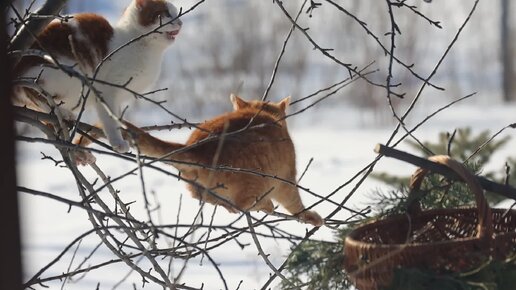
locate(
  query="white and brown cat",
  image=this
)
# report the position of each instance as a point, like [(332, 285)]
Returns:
[(86, 40), (253, 137)]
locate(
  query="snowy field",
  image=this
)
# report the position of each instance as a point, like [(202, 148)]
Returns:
[(338, 145)]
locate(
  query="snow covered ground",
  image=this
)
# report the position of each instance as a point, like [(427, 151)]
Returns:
[(338, 145)]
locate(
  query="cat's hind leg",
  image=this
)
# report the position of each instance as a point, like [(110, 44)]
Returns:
[(311, 217), (35, 101), (266, 206), (81, 156), (254, 199), (214, 198), (288, 196)]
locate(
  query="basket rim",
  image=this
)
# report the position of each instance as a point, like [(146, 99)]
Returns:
[(351, 238), (352, 242)]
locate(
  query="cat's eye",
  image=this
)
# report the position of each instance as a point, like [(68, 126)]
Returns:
[(162, 14), (167, 14)]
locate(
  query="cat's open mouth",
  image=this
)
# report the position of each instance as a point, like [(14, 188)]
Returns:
[(172, 34)]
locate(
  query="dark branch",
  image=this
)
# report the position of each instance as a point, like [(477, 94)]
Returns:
[(502, 189)]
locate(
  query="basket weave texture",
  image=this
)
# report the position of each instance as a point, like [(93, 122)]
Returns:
[(441, 240)]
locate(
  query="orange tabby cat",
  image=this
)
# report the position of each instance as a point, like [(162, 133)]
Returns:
[(262, 145)]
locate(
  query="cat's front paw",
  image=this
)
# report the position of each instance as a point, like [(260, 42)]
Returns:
[(311, 217), (84, 158), (120, 146)]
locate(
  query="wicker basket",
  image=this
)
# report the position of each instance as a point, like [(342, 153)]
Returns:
[(441, 240)]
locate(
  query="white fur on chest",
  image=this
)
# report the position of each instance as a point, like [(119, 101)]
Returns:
[(138, 64)]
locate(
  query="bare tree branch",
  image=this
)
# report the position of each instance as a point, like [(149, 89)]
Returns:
[(502, 189), (24, 38)]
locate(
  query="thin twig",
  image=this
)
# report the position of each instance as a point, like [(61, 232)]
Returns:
[(282, 52), (260, 250)]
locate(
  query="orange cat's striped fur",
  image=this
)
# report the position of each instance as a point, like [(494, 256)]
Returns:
[(263, 146)]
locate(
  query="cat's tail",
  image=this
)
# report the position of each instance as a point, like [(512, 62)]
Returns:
[(151, 146), (147, 145)]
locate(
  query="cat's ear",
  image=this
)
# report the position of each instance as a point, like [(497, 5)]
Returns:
[(141, 3), (237, 102), (283, 104)]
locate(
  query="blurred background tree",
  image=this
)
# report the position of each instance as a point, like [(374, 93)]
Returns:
[(508, 51), (484, 54)]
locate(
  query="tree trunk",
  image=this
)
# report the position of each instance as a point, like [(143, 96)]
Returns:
[(508, 74), (10, 263)]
